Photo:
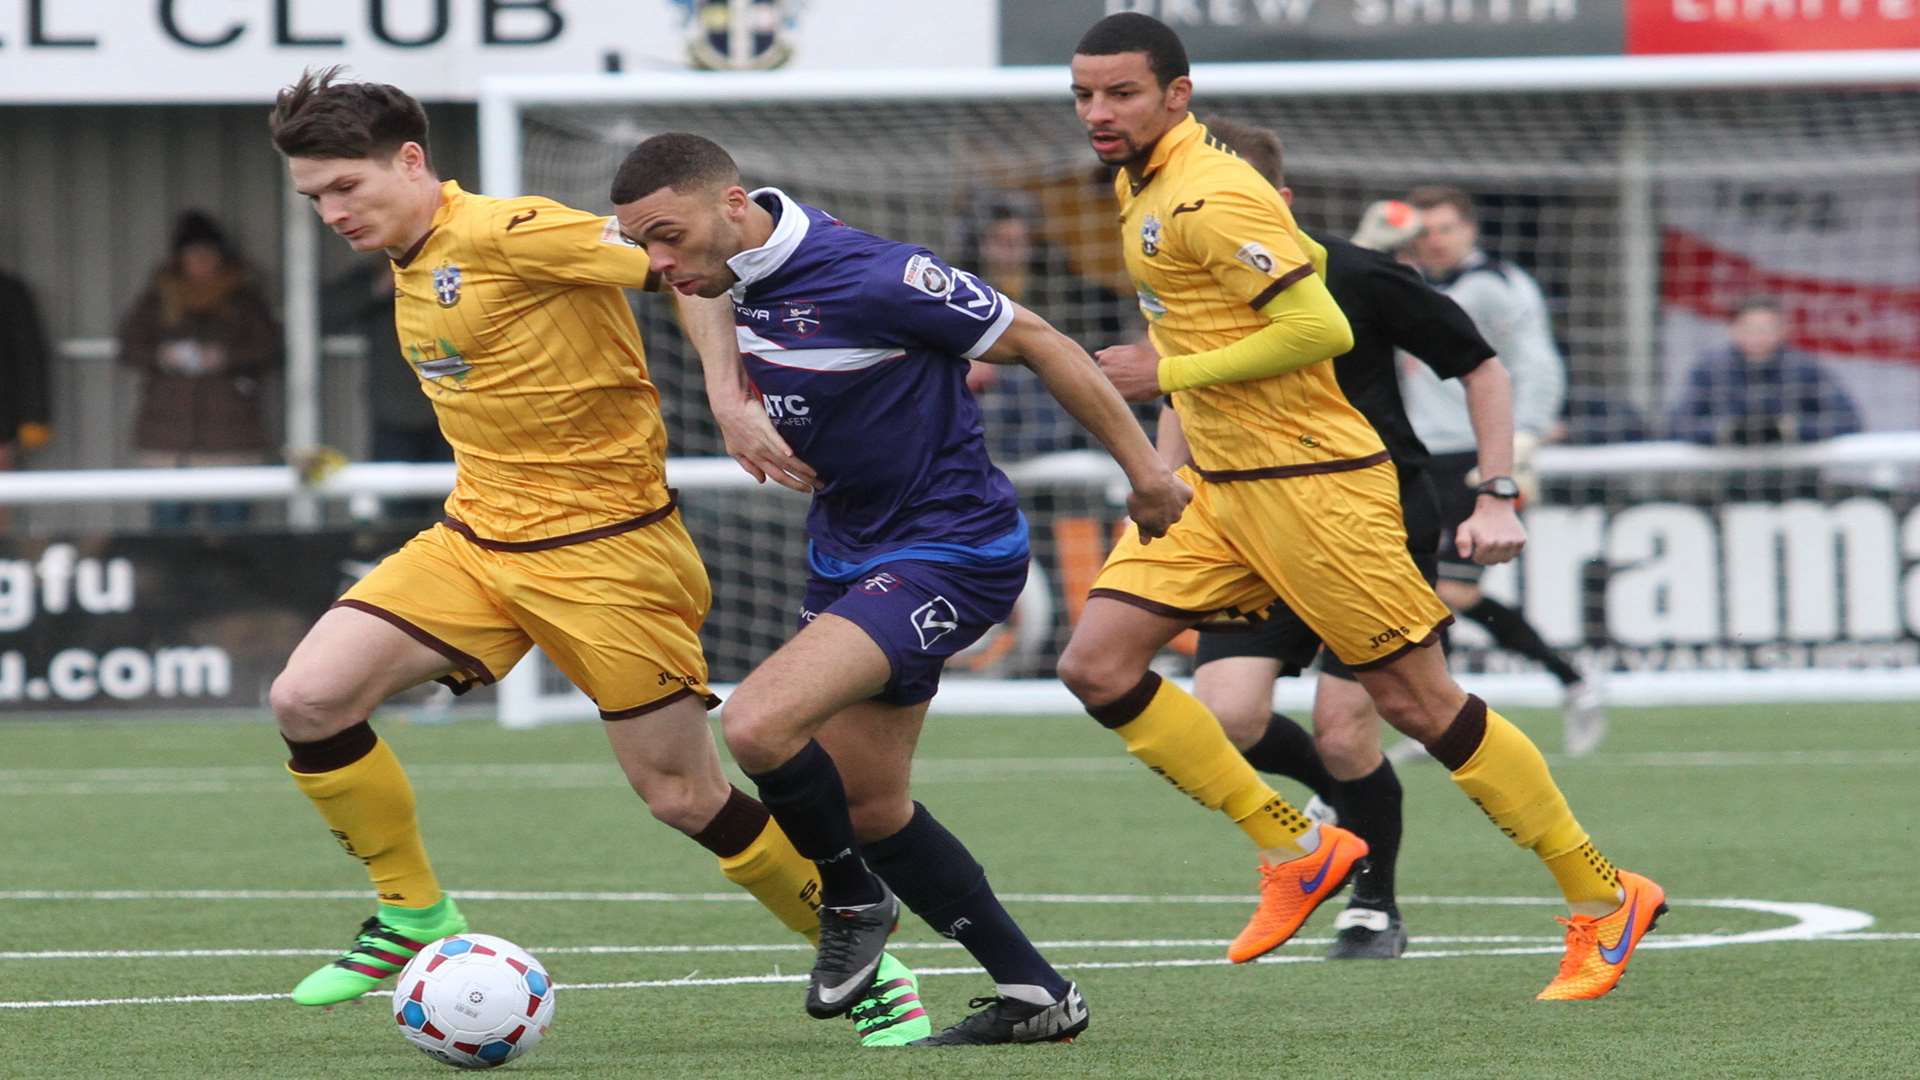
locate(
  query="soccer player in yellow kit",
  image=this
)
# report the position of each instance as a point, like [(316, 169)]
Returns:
[(560, 532), (1295, 498)]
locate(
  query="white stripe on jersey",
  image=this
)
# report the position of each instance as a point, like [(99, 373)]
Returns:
[(813, 359)]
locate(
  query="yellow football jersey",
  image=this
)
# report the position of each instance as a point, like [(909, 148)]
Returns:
[(1209, 243), (511, 313)]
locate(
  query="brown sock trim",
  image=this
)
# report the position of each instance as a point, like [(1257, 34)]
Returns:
[(1456, 745), (336, 751), (1128, 706), (738, 824)]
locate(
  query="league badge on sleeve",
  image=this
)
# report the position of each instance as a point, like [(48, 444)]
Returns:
[(1253, 255), (446, 284), (611, 233), (924, 274)]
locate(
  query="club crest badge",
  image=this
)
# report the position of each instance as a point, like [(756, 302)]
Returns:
[(739, 35), (802, 318), (446, 284), (1150, 236)]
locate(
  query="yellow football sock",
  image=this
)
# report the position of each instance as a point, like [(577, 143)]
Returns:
[(1509, 780), (784, 881), (1178, 738), (369, 807)]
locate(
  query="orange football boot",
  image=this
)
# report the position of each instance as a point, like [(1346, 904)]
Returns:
[(1289, 891), (1598, 949)]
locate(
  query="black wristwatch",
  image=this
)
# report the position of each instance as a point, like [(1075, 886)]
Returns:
[(1500, 487)]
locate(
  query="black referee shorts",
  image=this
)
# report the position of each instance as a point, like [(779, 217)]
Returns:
[(1281, 635), (1449, 474)]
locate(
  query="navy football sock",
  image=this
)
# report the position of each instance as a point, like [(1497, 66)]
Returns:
[(806, 797), (1287, 750), (932, 873)]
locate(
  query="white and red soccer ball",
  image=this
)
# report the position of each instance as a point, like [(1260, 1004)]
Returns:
[(473, 1001)]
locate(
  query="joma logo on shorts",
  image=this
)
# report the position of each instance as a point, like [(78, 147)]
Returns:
[(1387, 635)]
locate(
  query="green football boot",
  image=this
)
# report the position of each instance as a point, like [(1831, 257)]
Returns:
[(891, 1014), (382, 947)]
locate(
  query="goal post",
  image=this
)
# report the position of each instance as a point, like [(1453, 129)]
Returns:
[(1649, 197)]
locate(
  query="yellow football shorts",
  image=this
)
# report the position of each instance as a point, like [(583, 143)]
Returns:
[(620, 615), (1332, 545)]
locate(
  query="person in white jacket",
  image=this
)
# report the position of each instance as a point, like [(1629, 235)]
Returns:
[(1507, 307)]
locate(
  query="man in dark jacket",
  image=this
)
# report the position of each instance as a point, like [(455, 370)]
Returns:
[(1756, 389), (23, 375)]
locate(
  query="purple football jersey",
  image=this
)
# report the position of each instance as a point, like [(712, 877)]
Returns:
[(859, 348)]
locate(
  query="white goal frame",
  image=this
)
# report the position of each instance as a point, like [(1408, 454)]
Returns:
[(504, 99)]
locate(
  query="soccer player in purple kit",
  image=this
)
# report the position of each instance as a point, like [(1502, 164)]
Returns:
[(916, 543)]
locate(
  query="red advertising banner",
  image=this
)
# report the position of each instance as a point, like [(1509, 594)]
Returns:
[(1737, 26)]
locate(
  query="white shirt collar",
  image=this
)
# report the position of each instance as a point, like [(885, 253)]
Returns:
[(754, 264)]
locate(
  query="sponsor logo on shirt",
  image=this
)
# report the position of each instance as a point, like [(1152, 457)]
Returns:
[(1150, 303), (1150, 236), (879, 583), (1254, 255), (446, 284), (438, 361), (787, 410)]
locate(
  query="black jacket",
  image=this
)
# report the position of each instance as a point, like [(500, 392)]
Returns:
[(24, 359)]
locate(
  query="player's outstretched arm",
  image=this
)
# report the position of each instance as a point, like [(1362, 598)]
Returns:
[(1158, 496), (750, 437), (1493, 534)]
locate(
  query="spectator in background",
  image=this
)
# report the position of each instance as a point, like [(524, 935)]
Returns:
[(360, 302), (203, 336), (1003, 247), (23, 375), (1757, 390)]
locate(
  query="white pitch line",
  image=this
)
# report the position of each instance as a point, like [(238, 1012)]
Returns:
[(573, 775), (785, 946), (694, 981)]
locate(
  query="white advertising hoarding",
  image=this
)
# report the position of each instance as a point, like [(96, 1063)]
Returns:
[(156, 51)]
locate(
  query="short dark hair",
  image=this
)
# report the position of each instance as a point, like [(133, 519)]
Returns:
[(1432, 195), (1258, 146), (322, 116), (677, 160), (1129, 32)]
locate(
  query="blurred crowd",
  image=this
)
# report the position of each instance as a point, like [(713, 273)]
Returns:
[(203, 340)]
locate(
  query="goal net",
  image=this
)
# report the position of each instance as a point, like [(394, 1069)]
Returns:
[(1649, 203)]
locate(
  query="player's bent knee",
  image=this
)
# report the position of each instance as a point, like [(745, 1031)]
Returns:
[(682, 802), (760, 739), (1245, 720), (877, 818), (1095, 679), (307, 709)]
